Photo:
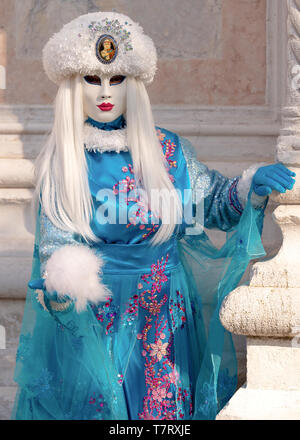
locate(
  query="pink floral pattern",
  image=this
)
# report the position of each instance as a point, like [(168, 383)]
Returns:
[(142, 214), (177, 311), (157, 274), (164, 397), (131, 311), (163, 391), (106, 314), (169, 149), (143, 218), (97, 401), (160, 135), (159, 349)]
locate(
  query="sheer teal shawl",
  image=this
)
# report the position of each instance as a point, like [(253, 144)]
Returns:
[(83, 385)]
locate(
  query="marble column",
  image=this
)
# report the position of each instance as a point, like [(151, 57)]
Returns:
[(267, 310)]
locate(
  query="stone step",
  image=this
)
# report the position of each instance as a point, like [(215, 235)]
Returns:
[(7, 397), (16, 247), (21, 146), (11, 314), (16, 173), (7, 367), (262, 404), (15, 195), (14, 274)]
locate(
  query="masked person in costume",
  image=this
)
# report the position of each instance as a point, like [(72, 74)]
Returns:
[(122, 312)]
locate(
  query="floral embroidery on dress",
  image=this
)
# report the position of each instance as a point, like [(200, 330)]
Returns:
[(208, 408), (129, 168), (164, 395), (120, 379), (160, 135), (94, 408), (24, 348), (168, 149), (124, 185), (159, 349), (214, 399), (97, 401), (143, 218), (177, 311), (106, 314), (226, 387), (128, 183), (41, 384), (157, 274), (150, 230), (131, 311)]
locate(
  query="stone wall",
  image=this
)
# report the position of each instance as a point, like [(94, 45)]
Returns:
[(211, 52), (219, 83)]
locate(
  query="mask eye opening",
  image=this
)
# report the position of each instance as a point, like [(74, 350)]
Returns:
[(116, 79), (92, 79)]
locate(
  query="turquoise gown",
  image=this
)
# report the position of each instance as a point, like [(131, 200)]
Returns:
[(155, 350)]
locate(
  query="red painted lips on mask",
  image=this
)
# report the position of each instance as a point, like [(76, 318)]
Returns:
[(106, 106)]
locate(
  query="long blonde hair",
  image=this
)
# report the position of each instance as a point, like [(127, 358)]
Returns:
[(61, 170)]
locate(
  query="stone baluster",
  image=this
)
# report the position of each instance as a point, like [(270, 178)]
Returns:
[(267, 311)]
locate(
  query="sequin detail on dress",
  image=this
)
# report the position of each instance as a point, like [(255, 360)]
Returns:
[(233, 197), (163, 392), (168, 149), (106, 314)]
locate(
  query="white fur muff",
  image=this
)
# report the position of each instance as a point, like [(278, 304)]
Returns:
[(75, 271)]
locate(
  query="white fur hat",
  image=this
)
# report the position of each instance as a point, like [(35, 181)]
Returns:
[(78, 48)]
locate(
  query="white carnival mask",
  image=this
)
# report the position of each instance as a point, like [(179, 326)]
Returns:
[(104, 97)]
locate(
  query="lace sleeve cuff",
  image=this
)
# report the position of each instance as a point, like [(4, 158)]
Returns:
[(233, 196)]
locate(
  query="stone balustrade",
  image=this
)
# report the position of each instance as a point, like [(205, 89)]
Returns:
[(267, 310)]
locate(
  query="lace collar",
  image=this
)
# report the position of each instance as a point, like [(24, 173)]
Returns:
[(103, 137)]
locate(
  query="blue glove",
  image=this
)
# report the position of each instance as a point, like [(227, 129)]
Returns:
[(37, 284), (270, 177)]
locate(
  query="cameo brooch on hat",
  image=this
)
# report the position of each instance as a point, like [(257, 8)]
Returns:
[(106, 49)]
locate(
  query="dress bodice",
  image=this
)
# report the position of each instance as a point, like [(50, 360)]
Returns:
[(119, 214), (111, 176)]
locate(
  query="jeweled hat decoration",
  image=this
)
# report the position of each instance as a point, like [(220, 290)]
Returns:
[(106, 49), (100, 42)]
